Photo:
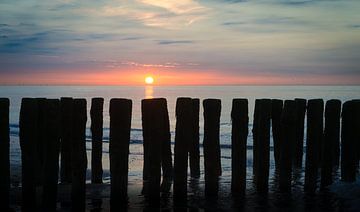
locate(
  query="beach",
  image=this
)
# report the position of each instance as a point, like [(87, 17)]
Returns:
[(339, 196)]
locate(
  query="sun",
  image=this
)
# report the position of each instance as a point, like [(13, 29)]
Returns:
[(149, 80)]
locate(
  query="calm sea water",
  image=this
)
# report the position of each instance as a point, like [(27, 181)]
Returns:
[(137, 93)]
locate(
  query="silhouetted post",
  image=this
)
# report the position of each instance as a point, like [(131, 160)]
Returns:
[(96, 114), (299, 143), (40, 142), (288, 138), (51, 153), (183, 137), (357, 128), (239, 134), (261, 133), (66, 110), (78, 155), (212, 154), (330, 149), (120, 126), (349, 150), (276, 110), (4, 154), (194, 151), (255, 134), (153, 124), (314, 139), (28, 140), (166, 159)]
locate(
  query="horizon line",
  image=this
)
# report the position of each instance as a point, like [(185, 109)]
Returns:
[(167, 85)]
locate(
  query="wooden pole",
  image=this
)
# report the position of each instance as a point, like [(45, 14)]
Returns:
[(262, 144), (194, 151), (299, 143), (357, 129), (288, 138), (255, 137), (166, 159), (78, 155), (349, 150), (276, 110), (212, 154), (183, 136), (40, 142), (330, 149), (4, 154), (239, 134), (120, 126), (51, 154), (28, 140), (66, 111), (96, 114), (313, 142), (153, 135)]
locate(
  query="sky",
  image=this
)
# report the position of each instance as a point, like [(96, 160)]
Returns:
[(187, 42)]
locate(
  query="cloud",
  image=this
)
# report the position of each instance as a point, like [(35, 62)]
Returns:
[(164, 14), (296, 2), (355, 26), (169, 42), (165, 65), (303, 2), (231, 23), (132, 38), (228, 1), (176, 7), (34, 43)]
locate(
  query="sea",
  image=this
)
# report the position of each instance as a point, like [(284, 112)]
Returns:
[(339, 196)]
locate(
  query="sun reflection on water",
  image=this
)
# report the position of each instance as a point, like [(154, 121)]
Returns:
[(149, 92)]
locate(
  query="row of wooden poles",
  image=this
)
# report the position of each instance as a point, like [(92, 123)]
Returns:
[(49, 127)]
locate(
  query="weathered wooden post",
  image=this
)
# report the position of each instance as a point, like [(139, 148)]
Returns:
[(28, 140), (288, 138), (4, 154), (66, 111), (357, 128), (96, 114), (41, 139), (299, 143), (51, 153), (239, 134), (261, 132), (120, 126), (166, 158), (330, 149), (153, 136), (212, 154), (313, 141), (349, 151), (194, 151), (255, 135), (183, 137), (78, 155), (276, 110)]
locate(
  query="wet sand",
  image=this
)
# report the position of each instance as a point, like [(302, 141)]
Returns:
[(338, 197)]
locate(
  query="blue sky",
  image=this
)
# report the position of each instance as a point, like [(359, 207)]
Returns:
[(219, 41)]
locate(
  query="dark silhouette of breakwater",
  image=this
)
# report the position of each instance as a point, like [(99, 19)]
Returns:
[(64, 124)]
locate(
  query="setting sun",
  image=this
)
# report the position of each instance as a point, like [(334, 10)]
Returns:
[(149, 80)]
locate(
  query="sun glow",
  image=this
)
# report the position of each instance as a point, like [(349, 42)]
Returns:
[(149, 80)]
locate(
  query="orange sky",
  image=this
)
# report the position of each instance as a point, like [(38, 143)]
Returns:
[(114, 77)]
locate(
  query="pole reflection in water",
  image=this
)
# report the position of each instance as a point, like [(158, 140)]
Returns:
[(149, 92)]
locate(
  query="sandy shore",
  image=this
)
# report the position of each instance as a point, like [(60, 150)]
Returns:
[(339, 197)]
